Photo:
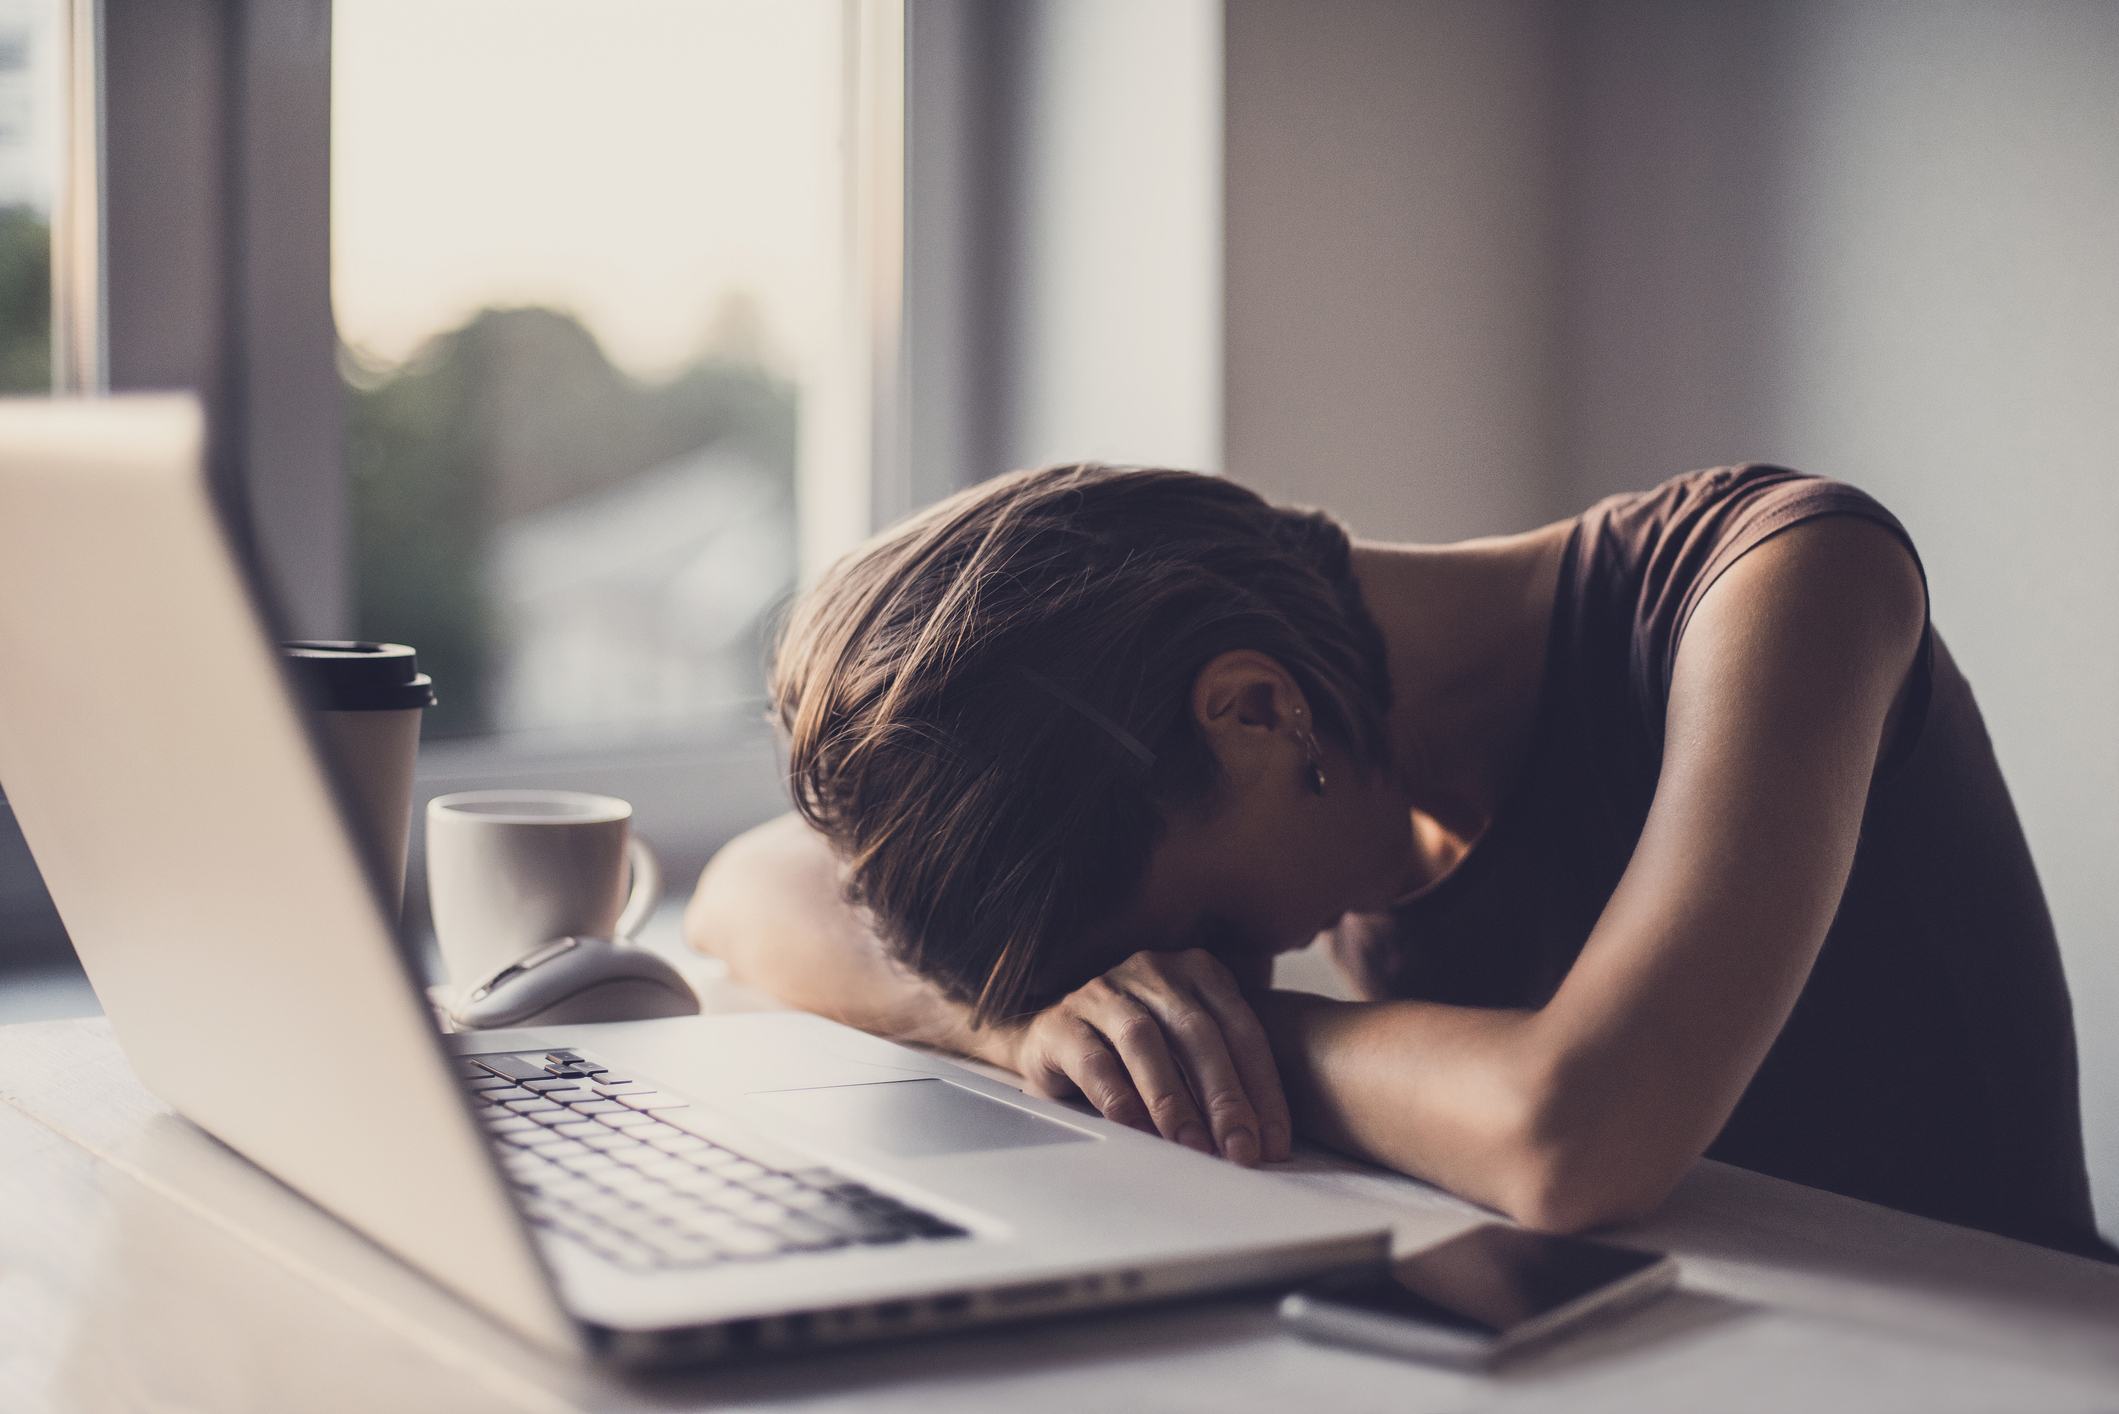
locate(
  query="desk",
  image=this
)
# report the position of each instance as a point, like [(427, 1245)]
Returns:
[(143, 1266)]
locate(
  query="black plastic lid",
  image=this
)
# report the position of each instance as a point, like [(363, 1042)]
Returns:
[(343, 675)]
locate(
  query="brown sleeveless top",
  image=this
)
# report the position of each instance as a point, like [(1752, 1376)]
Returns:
[(1929, 1064)]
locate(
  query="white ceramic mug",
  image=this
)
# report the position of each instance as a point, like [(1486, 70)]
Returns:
[(508, 871)]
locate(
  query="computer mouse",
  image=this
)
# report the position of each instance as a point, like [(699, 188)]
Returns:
[(577, 979)]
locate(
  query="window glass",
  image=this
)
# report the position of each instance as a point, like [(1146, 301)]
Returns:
[(586, 259), (30, 72)]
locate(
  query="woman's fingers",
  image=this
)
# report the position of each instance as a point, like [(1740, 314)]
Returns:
[(1220, 1048), (1251, 1053), (1166, 1043), (1101, 1047), (1136, 1034), (1207, 1073)]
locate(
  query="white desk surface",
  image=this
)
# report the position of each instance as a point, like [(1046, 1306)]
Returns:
[(144, 1267)]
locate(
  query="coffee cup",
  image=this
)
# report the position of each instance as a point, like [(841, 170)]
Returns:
[(367, 699), (509, 871)]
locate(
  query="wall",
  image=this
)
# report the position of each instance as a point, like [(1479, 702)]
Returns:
[(1951, 342), (1670, 150), (1390, 262), (1063, 237), (1488, 262)]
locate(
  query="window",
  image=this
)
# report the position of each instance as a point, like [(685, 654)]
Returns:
[(605, 280), (585, 266), (598, 275)]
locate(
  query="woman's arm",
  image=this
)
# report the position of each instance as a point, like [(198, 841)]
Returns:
[(770, 905), (1589, 1110)]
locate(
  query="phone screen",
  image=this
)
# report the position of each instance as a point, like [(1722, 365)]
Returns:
[(1492, 1279)]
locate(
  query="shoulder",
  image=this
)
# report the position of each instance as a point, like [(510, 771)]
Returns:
[(1711, 516), (1848, 569), (1813, 647), (1643, 564)]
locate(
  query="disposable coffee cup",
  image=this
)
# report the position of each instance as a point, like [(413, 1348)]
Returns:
[(367, 698)]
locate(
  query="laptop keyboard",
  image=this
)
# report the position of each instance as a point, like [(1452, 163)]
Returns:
[(592, 1159)]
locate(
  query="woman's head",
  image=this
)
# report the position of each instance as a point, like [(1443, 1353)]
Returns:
[(990, 708)]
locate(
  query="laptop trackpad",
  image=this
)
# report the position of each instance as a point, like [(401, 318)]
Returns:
[(918, 1118)]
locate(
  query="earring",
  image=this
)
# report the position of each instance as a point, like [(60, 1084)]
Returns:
[(1317, 782)]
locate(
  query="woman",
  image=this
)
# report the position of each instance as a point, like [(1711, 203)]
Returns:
[(1667, 830)]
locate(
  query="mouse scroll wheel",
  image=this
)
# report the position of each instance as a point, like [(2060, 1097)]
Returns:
[(516, 969), (546, 953)]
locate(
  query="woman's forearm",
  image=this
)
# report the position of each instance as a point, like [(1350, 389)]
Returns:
[(770, 906), (1477, 1101), (1403, 1084)]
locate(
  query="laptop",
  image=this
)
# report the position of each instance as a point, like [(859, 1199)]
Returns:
[(756, 1183)]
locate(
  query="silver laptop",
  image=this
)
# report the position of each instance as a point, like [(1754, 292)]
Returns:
[(785, 1183)]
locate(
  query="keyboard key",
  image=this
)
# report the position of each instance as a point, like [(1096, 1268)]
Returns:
[(514, 1067), (569, 1097), (567, 1186), (587, 1106), (626, 1119), (672, 1210), (514, 1124), (678, 1142), (501, 1093), (531, 1107), (549, 1084), (579, 1128), (590, 1162), (527, 1138), (652, 1100), (669, 1168), (561, 1146), (649, 1133)]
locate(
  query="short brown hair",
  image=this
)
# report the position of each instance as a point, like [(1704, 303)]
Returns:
[(985, 820)]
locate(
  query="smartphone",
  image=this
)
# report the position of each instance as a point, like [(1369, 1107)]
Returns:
[(1478, 1297)]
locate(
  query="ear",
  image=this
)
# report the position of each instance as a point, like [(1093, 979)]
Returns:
[(1251, 713)]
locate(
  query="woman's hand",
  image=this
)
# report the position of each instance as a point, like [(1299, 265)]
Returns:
[(1164, 1042)]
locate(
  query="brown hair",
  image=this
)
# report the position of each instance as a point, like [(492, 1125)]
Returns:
[(984, 818)]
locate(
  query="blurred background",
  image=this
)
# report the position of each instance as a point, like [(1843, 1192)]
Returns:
[(611, 324)]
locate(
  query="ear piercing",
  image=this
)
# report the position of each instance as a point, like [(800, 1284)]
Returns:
[(1308, 740)]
